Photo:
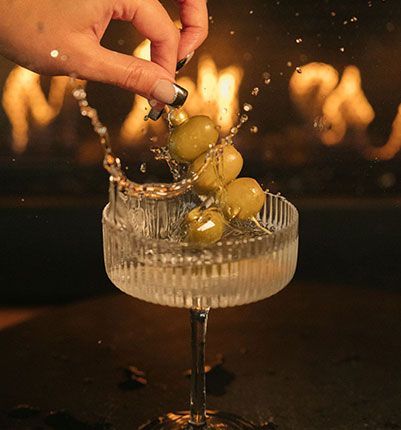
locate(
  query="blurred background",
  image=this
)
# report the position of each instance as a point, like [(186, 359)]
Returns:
[(320, 81)]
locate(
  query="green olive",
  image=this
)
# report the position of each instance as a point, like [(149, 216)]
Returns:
[(204, 226), (219, 171), (192, 138), (243, 198), (177, 117)]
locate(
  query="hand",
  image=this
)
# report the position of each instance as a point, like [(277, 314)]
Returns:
[(63, 38)]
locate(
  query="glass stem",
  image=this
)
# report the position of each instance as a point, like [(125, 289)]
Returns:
[(198, 381)]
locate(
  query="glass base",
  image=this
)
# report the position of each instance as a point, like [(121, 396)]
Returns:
[(216, 420)]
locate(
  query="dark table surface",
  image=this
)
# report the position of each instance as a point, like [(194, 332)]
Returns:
[(311, 357)]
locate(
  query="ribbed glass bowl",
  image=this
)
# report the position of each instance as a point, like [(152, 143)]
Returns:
[(144, 263)]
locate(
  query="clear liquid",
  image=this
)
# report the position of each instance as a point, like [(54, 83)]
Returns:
[(145, 258), (214, 285)]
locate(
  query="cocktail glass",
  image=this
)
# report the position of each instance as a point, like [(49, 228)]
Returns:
[(143, 259)]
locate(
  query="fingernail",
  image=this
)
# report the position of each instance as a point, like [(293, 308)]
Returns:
[(184, 61), (170, 93), (155, 114)]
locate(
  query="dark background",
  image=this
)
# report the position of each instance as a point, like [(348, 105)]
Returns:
[(51, 195)]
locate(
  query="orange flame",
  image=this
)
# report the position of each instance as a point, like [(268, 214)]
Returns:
[(318, 91), (23, 95), (215, 95), (343, 104), (134, 127), (216, 92)]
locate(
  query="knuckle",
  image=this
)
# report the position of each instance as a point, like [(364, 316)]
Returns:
[(136, 78)]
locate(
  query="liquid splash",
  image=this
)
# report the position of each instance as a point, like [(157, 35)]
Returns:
[(148, 190)]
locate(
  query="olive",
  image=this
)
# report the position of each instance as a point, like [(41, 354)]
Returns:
[(219, 171), (204, 226), (177, 117), (243, 198), (192, 138)]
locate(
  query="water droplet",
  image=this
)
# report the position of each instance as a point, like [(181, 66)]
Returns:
[(142, 168), (247, 107), (289, 63), (54, 53), (253, 129), (251, 12), (232, 32), (342, 49), (234, 131), (299, 70), (333, 13), (255, 91), (243, 119), (354, 19), (266, 78), (298, 40)]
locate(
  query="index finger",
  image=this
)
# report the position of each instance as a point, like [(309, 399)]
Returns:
[(195, 23)]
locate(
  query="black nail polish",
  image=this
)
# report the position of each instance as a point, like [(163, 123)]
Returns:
[(181, 95), (155, 114), (183, 62)]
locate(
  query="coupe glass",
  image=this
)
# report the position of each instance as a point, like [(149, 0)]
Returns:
[(143, 260)]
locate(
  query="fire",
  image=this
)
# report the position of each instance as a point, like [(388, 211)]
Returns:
[(393, 145), (342, 103), (134, 127), (319, 92), (216, 92), (215, 95), (23, 96)]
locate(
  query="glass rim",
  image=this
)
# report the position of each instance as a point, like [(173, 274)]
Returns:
[(291, 229)]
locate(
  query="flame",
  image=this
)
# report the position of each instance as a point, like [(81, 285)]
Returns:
[(23, 95), (134, 127), (215, 94), (393, 145), (318, 91), (342, 103)]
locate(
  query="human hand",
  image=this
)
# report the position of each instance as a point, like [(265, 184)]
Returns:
[(63, 38)]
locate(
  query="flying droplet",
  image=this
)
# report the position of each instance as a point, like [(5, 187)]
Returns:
[(299, 70), (243, 119), (142, 168), (247, 107), (232, 32), (342, 49), (54, 53), (253, 129), (255, 91), (289, 63), (298, 40), (266, 78)]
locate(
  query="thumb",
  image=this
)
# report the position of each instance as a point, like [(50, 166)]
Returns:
[(134, 74)]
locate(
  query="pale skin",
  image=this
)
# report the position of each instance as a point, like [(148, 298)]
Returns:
[(62, 37)]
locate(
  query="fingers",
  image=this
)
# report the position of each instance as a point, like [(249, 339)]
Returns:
[(195, 22), (151, 19), (142, 77)]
